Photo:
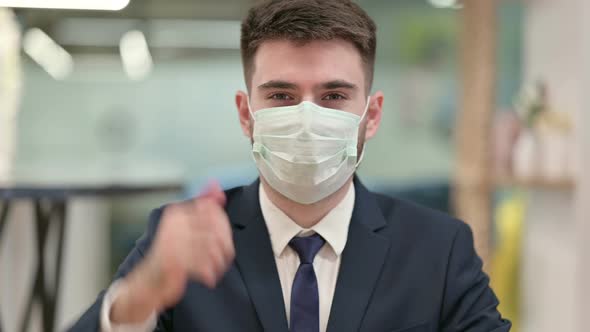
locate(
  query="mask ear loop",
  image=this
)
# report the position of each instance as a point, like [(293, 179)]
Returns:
[(250, 108), (358, 162), (366, 109), (251, 117)]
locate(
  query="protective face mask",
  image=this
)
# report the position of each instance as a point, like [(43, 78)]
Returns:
[(306, 152)]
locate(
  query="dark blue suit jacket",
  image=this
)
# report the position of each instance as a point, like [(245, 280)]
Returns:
[(404, 268)]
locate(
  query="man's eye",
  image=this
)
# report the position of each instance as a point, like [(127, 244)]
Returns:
[(280, 96), (334, 96)]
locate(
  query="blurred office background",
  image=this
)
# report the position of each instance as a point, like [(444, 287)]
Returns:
[(145, 95)]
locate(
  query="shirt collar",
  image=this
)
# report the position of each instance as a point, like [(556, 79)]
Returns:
[(333, 227)]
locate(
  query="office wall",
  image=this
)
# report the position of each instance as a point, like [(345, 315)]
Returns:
[(184, 113)]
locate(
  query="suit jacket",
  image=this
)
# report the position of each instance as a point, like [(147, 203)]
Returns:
[(405, 268)]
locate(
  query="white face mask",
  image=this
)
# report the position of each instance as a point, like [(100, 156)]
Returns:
[(306, 152)]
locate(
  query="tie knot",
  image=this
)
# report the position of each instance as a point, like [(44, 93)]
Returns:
[(307, 247)]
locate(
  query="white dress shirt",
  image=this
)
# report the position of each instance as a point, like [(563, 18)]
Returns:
[(333, 228)]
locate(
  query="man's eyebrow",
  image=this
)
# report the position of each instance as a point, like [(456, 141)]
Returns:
[(339, 84), (274, 84)]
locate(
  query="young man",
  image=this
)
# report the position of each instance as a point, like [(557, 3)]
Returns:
[(307, 247)]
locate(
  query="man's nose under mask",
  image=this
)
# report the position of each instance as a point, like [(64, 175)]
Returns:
[(306, 152)]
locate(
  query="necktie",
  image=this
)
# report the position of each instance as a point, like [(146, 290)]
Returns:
[(305, 306)]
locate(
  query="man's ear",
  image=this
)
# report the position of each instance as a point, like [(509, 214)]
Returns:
[(244, 113), (374, 112)]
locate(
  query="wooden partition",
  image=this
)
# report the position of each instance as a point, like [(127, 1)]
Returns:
[(473, 182)]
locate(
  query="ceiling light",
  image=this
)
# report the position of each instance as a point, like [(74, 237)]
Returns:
[(67, 4), (56, 61), (137, 60), (445, 4)]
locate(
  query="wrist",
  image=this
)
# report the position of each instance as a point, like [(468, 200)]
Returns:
[(135, 302)]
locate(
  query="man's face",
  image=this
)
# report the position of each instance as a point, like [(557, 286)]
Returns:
[(328, 73)]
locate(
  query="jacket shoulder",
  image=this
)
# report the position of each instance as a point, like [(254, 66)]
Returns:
[(417, 218)]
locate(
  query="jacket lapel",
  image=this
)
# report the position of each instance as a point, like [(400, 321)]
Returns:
[(255, 260), (361, 263)]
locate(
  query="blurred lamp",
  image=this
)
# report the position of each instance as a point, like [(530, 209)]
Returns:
[(67, 4), (445, 3), (137, 60), (56, 61)]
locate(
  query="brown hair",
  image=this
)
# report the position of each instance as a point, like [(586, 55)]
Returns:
[(302, 21)]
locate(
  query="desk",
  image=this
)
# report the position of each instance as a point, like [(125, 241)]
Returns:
[(49, 201)]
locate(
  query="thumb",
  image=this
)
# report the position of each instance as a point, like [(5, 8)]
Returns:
[(214, 192)]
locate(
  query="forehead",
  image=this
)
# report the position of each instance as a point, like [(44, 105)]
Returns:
[(312, 62)]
